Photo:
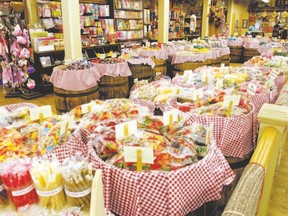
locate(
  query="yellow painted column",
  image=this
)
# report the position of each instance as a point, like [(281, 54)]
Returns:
[(163, 20), (71, 29), (231, 17), (205, 19), (32, 13)]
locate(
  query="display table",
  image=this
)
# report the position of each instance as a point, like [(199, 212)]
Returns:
[(188, 60), (164, 193)]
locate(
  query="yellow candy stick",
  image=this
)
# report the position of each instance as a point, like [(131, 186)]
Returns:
[(170, 121), (206, 80), (66, 132), (230, 108), (139, 160), (126, 130), (89, 109), (41, 118)]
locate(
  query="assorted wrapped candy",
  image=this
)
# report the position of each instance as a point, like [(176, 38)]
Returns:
[(18, 183), (46, 177), (173, 148), (77, 179)]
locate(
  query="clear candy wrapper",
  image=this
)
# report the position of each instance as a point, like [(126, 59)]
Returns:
[(47, 180), (18, 183), (77, 179)]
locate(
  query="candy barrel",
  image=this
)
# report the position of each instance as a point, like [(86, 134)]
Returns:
[(140, 72), (113, 87), (66, 100), (180, 68), (249, 53), (225, 59), (236, 54), (160, 66), (216, 62)]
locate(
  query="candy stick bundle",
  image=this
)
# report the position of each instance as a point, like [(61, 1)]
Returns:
[(47, 180), (18, 183), (77, 180)]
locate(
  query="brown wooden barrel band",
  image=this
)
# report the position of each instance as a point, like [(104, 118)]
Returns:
[(78, 94), (113, 85)]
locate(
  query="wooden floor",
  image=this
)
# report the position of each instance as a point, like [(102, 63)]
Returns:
[(45, 100), (278, 205)]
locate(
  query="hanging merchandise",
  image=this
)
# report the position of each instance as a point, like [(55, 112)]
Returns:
[(193, 23)]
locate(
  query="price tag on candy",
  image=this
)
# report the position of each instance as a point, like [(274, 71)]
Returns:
[(219, 84), (235, 99), (170, 116), (68, 123), (125, 129), (135, 80), (43, 111), (251, 88), (198, 94), (87, 108), (188, 74), (130, 154)]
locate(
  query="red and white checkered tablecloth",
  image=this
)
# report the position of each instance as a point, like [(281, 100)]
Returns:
[(235, 136), (12, 107), (158, 193)]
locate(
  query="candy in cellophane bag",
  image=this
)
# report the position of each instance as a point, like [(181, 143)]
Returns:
[(76, 173), (18, 183), (47, 180)]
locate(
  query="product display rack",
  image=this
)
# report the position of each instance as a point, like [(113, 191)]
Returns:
[(128, 20)]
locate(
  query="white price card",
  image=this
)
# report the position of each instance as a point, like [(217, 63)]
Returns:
[(69, 121), (222, 66), (130, 154), (188, 74), (197, 94), (219, 84), (125, 129), (114, 55), (251, 88), (234, 98), (171, 115), (135, 80), (86, 108), (45, 110)]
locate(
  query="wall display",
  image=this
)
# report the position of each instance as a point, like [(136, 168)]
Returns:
[(128, 19)]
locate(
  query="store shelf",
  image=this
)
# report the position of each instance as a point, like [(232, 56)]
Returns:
[(123, 9), (129, 18)]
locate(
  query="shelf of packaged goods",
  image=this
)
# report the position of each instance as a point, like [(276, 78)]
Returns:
[(133, 39), (124, 9), (128, 18), (141, 29)]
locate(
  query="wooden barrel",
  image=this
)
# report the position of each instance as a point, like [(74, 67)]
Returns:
[(113, 87), (249, 53), (180, 68), (225, 59), (160, 66), (237, 165), (216, 62), (140, 72), (66, 100), (236, 54)]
